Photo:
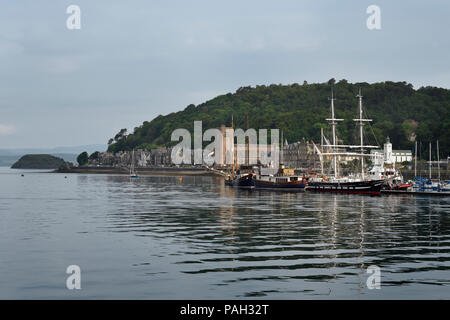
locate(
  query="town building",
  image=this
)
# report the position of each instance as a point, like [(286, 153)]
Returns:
[(389, 156)]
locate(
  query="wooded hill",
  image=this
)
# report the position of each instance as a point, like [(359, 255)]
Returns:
[(398, 110)]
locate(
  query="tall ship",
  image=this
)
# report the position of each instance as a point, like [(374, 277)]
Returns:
[(355, 183), (242, 177)]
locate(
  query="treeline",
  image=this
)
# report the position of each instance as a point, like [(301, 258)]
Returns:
[(397, 109)]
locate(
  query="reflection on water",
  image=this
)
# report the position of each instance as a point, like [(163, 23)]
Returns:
[(155, 237)]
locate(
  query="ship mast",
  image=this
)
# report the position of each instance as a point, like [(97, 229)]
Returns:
[(429, 166), (321, 147), (439, 166), (248, 139), (361, 146), (232, 148), (415, 162), (333, 122), (362, 122)]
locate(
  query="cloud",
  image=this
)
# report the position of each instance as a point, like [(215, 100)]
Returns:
[(7, 129), (61, 65)]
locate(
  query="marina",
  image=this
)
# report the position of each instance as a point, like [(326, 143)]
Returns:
[(381, 177)]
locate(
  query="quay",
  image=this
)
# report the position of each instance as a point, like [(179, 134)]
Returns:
[(164, 171), (416, 193)]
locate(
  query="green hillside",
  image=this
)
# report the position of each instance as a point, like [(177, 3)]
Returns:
[(398, 111), (38, 161)]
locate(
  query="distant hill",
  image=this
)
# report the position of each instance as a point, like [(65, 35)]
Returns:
[(8, 160), (398, 110), (38, 161), (9, 156), (57, 150)]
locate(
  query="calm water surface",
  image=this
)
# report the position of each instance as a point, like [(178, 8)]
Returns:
[(159, 238)]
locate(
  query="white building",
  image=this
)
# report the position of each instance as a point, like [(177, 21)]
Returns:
[(389, 156)]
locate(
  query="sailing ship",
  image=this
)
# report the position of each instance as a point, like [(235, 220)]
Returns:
[(133, 173), (355, 183), (242, 177)]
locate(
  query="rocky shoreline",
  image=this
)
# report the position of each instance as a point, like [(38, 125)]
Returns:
[(163, 171)]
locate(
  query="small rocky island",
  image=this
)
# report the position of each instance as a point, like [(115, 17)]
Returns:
[(38, 161)]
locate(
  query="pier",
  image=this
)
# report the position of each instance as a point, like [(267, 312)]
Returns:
[(416, 193)]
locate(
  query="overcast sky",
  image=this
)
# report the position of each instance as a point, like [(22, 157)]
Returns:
[(133, 60)]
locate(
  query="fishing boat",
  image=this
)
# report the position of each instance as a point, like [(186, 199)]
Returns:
[(353, 183), (133, 173), (240, 179), (279, 179), (384, 169)]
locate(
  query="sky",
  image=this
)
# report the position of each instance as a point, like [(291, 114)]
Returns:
[(133, 60)]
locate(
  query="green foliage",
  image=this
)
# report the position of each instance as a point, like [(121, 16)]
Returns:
[(38, 161), (300, 111), (94, 155), (82, 158)]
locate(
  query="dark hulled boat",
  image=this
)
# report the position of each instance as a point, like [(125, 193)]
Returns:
[(279, 183), (354, 183), (354, 187), (281, 180), (244, 180)]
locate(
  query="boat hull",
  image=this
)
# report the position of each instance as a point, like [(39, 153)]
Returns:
[(291, 185), (399, 187), (359, 187), (245, 182)]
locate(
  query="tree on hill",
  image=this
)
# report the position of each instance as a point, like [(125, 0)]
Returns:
[(94, 155), (300, 111), (82, 158)]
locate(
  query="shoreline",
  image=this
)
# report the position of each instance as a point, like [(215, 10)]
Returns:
[(162, 171)]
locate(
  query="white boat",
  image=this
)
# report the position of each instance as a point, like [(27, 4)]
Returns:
[(445, 186), (133, 173)]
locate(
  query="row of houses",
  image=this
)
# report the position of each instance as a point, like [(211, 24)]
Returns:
[(302, 154), (143, 158)]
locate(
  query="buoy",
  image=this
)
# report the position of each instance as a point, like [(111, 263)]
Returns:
[(22, 175), (180, 179)]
